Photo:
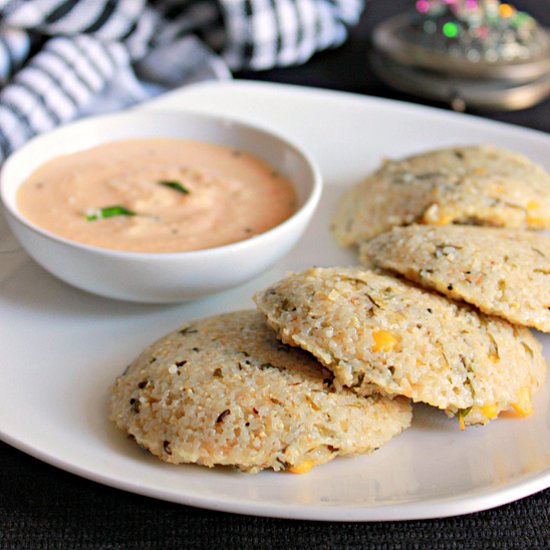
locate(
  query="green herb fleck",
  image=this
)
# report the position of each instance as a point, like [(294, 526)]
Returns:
[(176, 185), (107, 212), (462, 414)]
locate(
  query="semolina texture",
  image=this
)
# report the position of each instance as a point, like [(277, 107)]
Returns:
[(476, 185), (377, 333), (225, 391), (502, 272)]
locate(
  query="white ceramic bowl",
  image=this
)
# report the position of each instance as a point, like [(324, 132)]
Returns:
[(164, 277)]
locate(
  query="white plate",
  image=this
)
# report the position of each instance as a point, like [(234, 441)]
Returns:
[(61, 348)]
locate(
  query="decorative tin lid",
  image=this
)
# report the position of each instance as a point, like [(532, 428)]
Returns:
[(485, 52)]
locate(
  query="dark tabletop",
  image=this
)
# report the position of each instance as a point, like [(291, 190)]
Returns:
[(43, 507)]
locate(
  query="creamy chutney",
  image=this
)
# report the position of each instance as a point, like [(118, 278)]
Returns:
[(157, 195)]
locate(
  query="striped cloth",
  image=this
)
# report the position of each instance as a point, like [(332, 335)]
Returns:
[(61, 59)]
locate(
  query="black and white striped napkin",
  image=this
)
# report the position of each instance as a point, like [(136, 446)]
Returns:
[(61, 59)]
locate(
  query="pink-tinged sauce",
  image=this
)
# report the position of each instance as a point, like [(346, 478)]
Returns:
[(232, 195)]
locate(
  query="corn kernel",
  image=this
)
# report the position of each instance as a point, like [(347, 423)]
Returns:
[(442, 220), (383, 340), (536, 221), (532, 205), (302, 468), (490, 411), (523, 405)]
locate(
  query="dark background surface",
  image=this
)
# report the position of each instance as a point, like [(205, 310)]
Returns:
[(347, 68), (43, 507)]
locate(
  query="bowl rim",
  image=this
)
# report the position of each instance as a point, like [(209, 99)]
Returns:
[(308, 205)]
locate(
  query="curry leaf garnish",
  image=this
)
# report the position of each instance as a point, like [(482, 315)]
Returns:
[(107, 212), (176, 186)]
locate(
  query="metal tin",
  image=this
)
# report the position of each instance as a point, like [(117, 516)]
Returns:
[(462, 93), (414, 67)]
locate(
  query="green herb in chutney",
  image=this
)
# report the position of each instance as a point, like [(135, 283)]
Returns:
[(176, 185), (107, 212)]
